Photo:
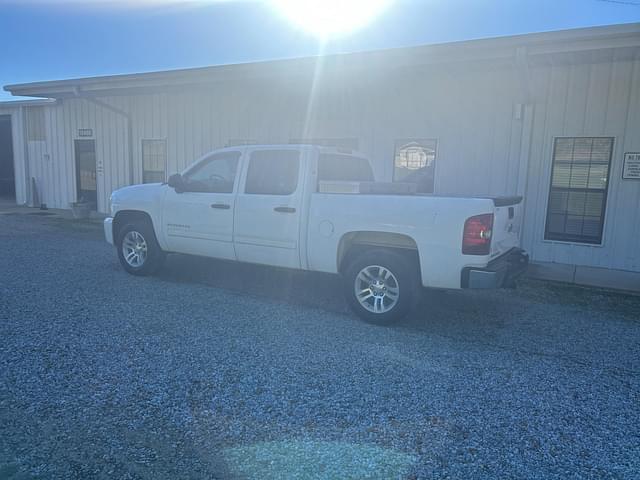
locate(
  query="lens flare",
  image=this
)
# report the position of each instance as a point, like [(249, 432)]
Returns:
[(327, 18)]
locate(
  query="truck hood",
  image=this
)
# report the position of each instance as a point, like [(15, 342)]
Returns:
[(137, 197)]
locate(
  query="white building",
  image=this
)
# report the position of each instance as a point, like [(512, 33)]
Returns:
[(554, 117)]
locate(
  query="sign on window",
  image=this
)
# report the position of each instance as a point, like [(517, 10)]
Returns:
[(415, 162)]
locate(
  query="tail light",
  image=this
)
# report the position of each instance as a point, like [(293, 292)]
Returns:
[(476, 239)]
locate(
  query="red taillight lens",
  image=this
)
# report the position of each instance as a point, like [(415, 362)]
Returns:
[(476, 239)]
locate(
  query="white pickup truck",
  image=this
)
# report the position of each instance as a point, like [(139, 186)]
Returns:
[(317, 208)]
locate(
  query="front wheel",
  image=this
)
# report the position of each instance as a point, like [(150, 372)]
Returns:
[(138, 249), (380, 286)]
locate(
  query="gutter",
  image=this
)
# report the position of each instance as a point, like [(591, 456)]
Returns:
[(28, 103), (525, 113), (25, 145)]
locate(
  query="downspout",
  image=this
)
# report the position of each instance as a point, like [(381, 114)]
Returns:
[(25, 147), (118, 111), (526, 113)]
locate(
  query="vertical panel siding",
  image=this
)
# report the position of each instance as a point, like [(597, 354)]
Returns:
[(52, 161), (599, 99), (470, 111)]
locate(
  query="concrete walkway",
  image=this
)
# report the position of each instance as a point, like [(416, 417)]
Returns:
[(9, 206)]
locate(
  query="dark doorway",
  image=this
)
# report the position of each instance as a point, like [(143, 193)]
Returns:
[(86, 172), (7, 177)]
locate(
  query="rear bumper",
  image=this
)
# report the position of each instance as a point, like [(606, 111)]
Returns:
[(500, 272), (108, 229)]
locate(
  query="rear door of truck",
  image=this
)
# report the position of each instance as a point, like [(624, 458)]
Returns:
[(269, 204), (506, 225)]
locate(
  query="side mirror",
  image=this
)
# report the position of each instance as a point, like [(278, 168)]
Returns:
[(176, 182)]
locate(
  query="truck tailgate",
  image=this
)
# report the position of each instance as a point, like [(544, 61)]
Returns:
[(506, 224)]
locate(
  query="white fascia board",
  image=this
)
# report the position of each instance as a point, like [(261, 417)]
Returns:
[(28, 103)]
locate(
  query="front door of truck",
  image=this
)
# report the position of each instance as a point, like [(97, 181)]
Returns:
[(268, 208), (198, 218)]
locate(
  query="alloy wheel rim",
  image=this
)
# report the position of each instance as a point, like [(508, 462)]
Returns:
[(377, 289), (134, 249)]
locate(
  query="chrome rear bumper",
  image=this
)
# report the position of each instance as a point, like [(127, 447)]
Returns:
[(501, 272)]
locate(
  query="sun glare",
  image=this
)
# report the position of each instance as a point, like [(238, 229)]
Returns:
[(327, 18)]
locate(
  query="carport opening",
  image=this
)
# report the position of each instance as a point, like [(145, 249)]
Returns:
[(7, 175)]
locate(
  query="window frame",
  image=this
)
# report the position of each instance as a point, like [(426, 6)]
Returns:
[(435, 159), (610, 167), (36, 125), (166, 158)]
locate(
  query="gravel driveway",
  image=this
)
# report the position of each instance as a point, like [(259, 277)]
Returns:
[(216, 370)]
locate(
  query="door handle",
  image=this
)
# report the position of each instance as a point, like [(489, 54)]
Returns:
[(285, 209), (221, 206)]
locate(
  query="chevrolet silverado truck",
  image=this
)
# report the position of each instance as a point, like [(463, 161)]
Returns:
[(318, 208)]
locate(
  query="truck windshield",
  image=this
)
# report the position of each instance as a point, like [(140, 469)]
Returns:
[(346, 168)]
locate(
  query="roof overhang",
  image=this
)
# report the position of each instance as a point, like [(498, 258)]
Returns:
[(587, 43), (33, 102)]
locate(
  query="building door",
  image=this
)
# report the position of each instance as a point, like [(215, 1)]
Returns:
[(7, 177), (86, 185)]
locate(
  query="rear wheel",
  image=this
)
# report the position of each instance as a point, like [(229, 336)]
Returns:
[(380, 286), (138, 249)]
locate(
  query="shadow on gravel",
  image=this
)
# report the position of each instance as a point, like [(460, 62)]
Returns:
[(324, 291), (438, 311), (461, 314), (297, 287)]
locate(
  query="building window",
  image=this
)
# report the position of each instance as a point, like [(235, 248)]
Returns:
[(578, 193), (346, 143), (35, 124), (415, 162), (154, 161)]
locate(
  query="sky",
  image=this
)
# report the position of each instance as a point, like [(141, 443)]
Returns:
[(57, 39)]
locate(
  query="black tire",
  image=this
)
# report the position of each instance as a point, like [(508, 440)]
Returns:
[(154, 257), (404, 277)]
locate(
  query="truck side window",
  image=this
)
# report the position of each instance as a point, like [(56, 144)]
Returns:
[(344, 168), (273, 172), (215, 174)]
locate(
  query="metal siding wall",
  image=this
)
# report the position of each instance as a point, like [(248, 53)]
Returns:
[(478, 140), (598, 99), (471, 116), (623, 227), (470, 111), (52, 161)]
